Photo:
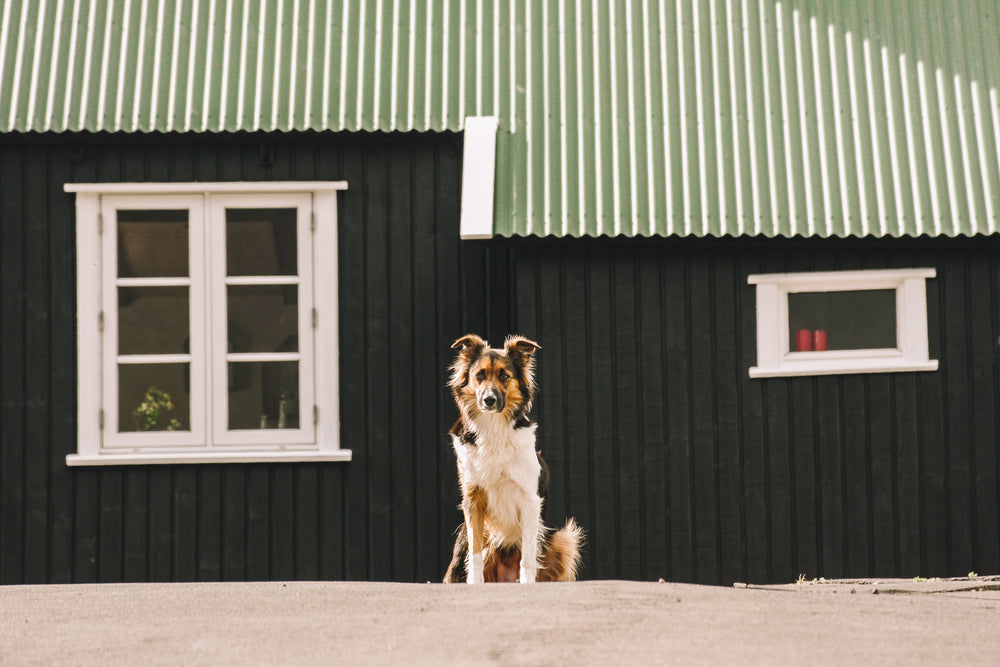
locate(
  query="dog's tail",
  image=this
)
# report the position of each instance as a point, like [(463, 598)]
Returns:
[(560, 558)]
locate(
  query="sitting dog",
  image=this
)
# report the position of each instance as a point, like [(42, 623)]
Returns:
[(503, 478)]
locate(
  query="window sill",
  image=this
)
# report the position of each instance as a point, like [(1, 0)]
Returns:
[(133, 458), (842, 367)]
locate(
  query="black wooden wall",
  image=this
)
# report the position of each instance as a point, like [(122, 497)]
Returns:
[(408, 288), (682, 467), (676, 463)]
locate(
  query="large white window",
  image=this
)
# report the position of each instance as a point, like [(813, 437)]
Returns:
[(826, 323), (207, 323)]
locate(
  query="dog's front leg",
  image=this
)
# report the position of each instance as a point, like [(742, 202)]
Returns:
[(474, 508), (530, 524)]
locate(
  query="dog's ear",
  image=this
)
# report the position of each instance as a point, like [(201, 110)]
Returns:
[(470, 346), (469, 341), (519, 347)]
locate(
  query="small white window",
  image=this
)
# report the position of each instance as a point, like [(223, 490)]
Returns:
[(207, 323), (827, 323)]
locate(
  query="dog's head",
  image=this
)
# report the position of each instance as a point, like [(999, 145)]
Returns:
[(486, 380)]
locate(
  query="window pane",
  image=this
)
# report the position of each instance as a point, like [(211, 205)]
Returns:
[(263, 395), (261, 242), (263, 318), (852, 320), (153, 397), (152, 244), (153, 320)]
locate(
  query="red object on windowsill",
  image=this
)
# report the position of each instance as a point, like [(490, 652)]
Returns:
[(819, 340), (803, 340)]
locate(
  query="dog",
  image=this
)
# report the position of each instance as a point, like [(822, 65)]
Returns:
[(503, 477)]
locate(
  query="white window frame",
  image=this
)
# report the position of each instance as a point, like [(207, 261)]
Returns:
[(209, 440), (775, 357)]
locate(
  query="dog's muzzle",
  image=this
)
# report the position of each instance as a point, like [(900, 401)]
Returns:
[(490, 400)]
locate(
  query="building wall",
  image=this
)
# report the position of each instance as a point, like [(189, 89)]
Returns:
[(682, 467), (674, 461), (408, 288)]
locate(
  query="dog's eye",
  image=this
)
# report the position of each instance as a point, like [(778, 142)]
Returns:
[(480, 376), (503, 376)]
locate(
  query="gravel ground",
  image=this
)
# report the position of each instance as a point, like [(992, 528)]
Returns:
[(595, 622)]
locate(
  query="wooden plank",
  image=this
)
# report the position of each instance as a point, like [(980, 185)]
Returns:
[(730, 380), (541, 313), (678, 418), (332, 546), (702, 388), (209, 518), (135, 525), (353, 337), (428, 360), (163, 505), (258, 555), (581, 494), (13, 360), (378, 369), (600, 387), (110, 544), (829, 475), (61, 415), (756, 521), (982, 338), (234, 513), (86, 514), (653, 442), (882, 455), (784, 564), (450, 253), (281, 536), (805, 500), (86, 526), (957, 417), (907, 478), (402, 439), (305, 522), (37, 388), (627, 442), (856, 470), (932, 440)]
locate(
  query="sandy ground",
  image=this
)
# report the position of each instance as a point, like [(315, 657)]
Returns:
[(595, 622)]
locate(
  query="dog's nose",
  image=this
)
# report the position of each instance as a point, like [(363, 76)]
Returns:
[(489, 401)]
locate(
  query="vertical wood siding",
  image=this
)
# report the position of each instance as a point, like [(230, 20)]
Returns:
[(676, 463), (681, 467), (388, 514)]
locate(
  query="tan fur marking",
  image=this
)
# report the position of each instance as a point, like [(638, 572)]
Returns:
[(474, 505)]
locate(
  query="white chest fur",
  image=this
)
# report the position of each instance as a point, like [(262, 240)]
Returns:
[(504, 464)]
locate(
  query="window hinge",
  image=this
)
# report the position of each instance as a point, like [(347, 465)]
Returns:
[(100, 321), (312, 221), (100, 224), (100, 419), (315, 415), (315, 318)]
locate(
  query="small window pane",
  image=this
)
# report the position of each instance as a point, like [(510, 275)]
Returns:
[(263, 395), (263, 318), (847, 320), (153, 320), (261, 242), (152, 244), (153, 397)]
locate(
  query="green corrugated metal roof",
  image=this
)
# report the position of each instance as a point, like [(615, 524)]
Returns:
[(621, 117)]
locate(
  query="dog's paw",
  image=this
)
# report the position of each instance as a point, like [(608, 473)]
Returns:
[(527, 575)]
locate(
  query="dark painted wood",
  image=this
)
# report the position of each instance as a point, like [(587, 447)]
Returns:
[(675, 462), (764, 480)]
